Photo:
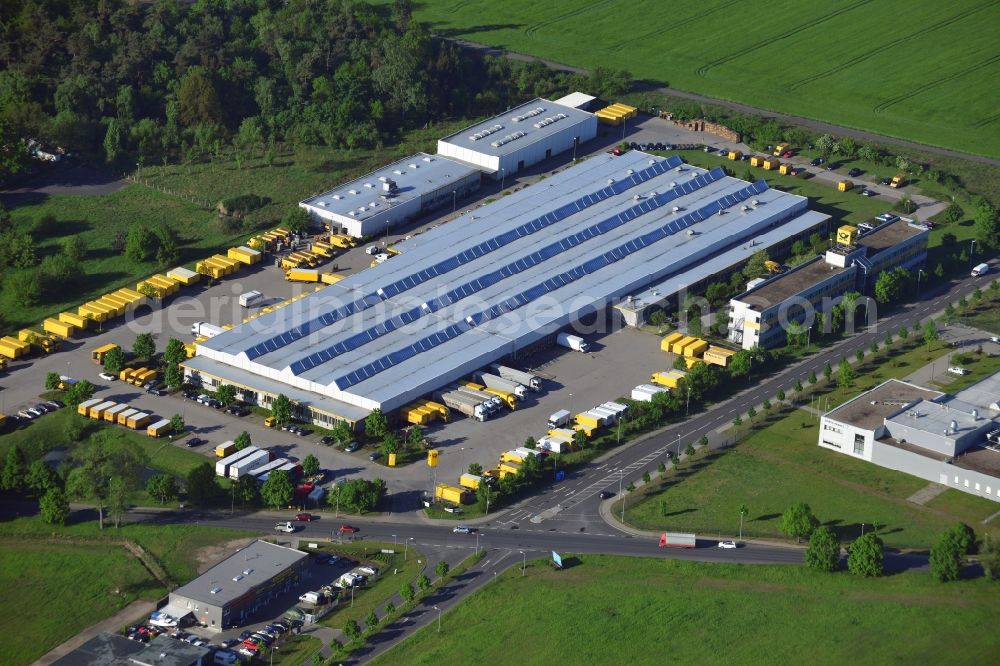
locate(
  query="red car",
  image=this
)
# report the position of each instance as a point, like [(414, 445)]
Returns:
[(787, 153), (347, 529), (304, 517)]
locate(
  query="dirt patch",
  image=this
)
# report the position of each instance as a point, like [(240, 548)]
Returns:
[(209, 556)]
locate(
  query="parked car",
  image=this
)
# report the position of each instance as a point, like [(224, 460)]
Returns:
[(34, 411), (328, 439), (236, 410), (190, 395), (245, 635), (347, 529), (304, 517), (368, 569), (229, 642), (375, 455), (461, 529), (868, 193), (156, 391), (787, 154), (25, 414), (885, 181), (107, 376), (817, 161), (956, 370), (352, 447), (606, 494), (854, 173), (727, 544), (54, 404), (195, 441)]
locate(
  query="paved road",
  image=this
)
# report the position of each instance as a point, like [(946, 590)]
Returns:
[(63, 179), (817, 125)]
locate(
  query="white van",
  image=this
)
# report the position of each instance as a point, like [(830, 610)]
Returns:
[(981, 269), (372, 250), (227, 658)]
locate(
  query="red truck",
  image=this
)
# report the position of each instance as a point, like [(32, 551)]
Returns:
[(677, 540)]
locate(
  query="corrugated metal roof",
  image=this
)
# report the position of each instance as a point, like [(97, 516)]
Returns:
[(504, 276)]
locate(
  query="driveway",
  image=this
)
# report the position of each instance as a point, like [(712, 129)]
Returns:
[(62, 179)]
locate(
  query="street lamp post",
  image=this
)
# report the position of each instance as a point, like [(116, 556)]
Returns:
[(352, 596), (920, 272), (406, 545), (393, 540), (477, 543), (503, 176), (972, 250), (524, 562), (439, 618), (862, 529), (454, 198), (687, 404)]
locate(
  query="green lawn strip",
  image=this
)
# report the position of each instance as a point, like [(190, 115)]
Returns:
[(636, 608), (59, 580), (836, 74), (973, 510), (298, 650), (394, 571)]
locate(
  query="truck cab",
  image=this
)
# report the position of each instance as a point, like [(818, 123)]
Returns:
[(286, 526)]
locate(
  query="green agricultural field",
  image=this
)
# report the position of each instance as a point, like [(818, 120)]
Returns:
[(56, 581), (616, 610), (928, 78)]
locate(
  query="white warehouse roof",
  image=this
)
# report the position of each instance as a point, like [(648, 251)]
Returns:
[(502, 277)]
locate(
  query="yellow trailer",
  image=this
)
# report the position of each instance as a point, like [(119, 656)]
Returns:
[(60, 328), (678, 347), (109, 311), (771, 164), (470, 481), (780, 149), (90, 312), (330, 278), (668, 378), (735, 155), (691, 361), (211, 270), (508, 468), (184, 276), (588, 420), (111, 415), (123, 416), (13, 348), (138, 420), (127, 373), (83, 409), (244, 255), (159, 429), (844, 186), (757, 160), (343, 241), (231, 265), (587, 431), (225, 449), (443, 412), (76, 320), (322, 249), (417, 417), (453, 494), (141, 378), (565, 435), (509, 399), (695, 349), (97, 355), (898, 181), (787, 169), (97, 411), (667, 341), (302, 275), (115, 309), (718, 356)]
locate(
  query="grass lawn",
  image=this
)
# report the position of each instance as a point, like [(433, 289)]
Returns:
[(781, 464), (298, 650), (394, 571), (695, 612), (817, 60), (73, 576)]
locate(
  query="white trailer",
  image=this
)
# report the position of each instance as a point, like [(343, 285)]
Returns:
[(617, 407), (471, 407), (574, 342), (250, 299), (222, 466), (560, 418), (204, 329), (243, 466), (500, 384), (552, 444), (609, 415), (524, 378), (267, 467), (645, 392)]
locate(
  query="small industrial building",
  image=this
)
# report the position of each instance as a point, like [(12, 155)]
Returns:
[(498, 280), (104, 649), (168, 651), (760, 316), (230, 593), (922, 432), (577, 100), (393, 195), (523, 136)]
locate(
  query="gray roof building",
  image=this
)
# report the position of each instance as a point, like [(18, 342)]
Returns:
[(393, 195), (104, 649), (500, 278), (166, 651)]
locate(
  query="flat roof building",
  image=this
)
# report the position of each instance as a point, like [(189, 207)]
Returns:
[(232, 591), (393, 195), (919, 431), (497, 280), (520, 137), (167, 651), (104, 649)]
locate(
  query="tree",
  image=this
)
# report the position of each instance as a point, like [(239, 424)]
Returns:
[(890, 285), (530, 443), (371, 620), (823, 552), (812, 377), (798, 521), (341, 431), (903, 333), (296, 219), (740, 363), (442, 569), (162, 487), (407, 592), (246, 490), (827, 371), (352, 630), (859, 355), (939, 270), (798, 386), (751, 413), (144, 346), (376, 425), (242, 441), (930, 332), (277, 491), (658, 318), (226, 394), (360, 495), (15, 469), (825, 145), (201, 486), (423, 582), (175, 352), (197, 100), (865, 556), (54, 507), (140, 244), (755, 265), (845, 374), (780, 395), (873, 347), (689, 450), (177, 423), (766, 405), (40, 477), (310, 465), (579, 440), (114, 361), (23, 288), (703, 441), (476, 469), (415, 438), (173, 376), (989, 557), (984, 219), (52, 381), (390, 443), (646, 477), (281, 409), (389, 608), (946, 558)]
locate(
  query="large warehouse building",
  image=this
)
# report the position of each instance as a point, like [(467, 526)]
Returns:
[(491, 283), (231, 592), (519, 138), (393, 195)]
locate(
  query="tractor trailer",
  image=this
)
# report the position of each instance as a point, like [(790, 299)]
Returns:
[(202, 329), (499, 383), (519, 376), (574, 342)]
